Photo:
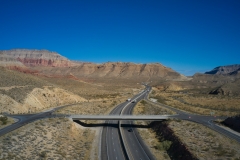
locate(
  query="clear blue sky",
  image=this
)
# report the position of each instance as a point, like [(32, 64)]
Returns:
[(186, 35)]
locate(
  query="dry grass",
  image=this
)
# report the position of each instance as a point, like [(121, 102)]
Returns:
[(201, 141), (17, 85), (98, 89), (150, 139), (146, 108), (8, 122), (205, 143), (57, 138), (93, 107), (199, 103)]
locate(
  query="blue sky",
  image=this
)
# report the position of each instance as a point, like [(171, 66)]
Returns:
[(186, 35)]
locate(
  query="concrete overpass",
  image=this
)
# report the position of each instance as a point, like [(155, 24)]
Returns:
[(120, 117)]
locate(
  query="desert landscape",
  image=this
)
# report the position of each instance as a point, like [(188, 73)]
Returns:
[(119, 80), (33, 81), (196, 140)]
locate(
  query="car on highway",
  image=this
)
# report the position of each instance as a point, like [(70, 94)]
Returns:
[(134, 101), (129, 99), (130, 130)]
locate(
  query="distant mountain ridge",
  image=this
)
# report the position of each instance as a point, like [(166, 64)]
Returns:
[(34, 58), (117, 70), (53, 64), (224, 70)]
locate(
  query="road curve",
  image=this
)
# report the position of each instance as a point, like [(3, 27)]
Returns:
[(204, 120), (28, 118)]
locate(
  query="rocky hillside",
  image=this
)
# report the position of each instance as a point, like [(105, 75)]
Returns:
[(116, 70), (229, 89), (22, 93), (20, 57), (43, 62), (224, 70)]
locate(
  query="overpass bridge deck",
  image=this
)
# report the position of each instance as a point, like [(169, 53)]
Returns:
[(120, 117)]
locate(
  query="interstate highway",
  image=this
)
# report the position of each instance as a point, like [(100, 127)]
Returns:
[(113, 146), (136, 148)]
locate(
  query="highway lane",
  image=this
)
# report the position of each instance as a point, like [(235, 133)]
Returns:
[(135, 146), (112, 144), (111, 147)]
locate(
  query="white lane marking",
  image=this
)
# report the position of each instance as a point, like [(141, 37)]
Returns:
[(209, 122), (108, 129), (134, 132), (121, 134), (107, 141)]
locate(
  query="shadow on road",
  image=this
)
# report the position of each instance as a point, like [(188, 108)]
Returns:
[(110, 125)]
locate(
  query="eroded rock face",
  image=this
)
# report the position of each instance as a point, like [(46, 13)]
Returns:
[(224, 70), (48, 63), (117, 70), (34, 58)]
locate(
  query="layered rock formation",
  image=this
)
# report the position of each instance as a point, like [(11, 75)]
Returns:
[(20, 57), (116, 70), (52, 64)]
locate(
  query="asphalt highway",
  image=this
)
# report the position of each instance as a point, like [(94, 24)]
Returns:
[(111, 147), (118, 142), (135, 146)]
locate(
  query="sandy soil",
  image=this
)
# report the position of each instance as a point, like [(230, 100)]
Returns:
[(57, 138), (38, 100)]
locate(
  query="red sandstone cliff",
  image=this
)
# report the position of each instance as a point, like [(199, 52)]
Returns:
[(33, 58)]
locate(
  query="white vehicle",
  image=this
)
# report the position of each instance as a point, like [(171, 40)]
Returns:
[(134, 101), (129, 99)]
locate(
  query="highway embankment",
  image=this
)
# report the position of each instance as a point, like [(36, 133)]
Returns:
[(170, 142)]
